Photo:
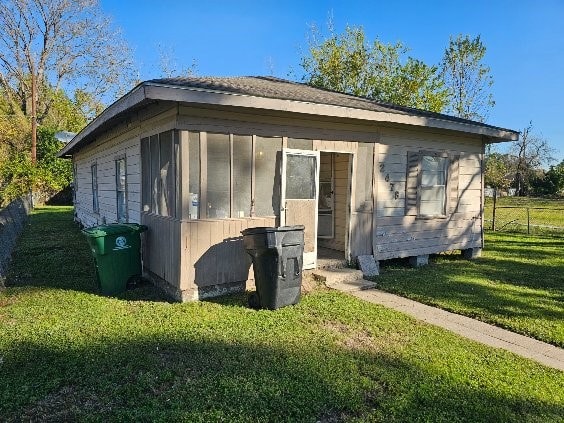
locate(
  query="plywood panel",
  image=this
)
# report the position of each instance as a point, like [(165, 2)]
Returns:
[(213, 251), (162, 248), (361, 234), (432, 249)]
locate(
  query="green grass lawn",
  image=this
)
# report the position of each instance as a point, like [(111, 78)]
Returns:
[(546, 215), (517, 284), (69, 354)]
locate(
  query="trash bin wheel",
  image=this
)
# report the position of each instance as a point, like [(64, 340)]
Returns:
[(134, 281), (254, 300)]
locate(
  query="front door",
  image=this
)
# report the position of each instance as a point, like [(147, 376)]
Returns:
[(326, 204), (300, 179)]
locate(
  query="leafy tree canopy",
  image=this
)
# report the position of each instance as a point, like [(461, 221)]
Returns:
[(349, 63), (467, 78)]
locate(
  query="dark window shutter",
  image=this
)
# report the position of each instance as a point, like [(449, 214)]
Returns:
[(412, 180), (453, 182)]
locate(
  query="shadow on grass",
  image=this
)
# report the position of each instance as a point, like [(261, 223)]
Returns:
[(53, 253), (210, 380)]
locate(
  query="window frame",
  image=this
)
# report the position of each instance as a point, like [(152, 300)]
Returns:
[(442, 155), (117, 160), (413, 183), (94, 180)]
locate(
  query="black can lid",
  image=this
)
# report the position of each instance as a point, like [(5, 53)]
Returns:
[(271, 229)]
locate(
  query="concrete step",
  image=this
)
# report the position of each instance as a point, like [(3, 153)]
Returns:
[(343, 279), (331, 263)]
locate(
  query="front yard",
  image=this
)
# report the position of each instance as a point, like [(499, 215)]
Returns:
[(67, 353), (517, 284)]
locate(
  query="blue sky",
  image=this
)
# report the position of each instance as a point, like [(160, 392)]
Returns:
[(524, 39)]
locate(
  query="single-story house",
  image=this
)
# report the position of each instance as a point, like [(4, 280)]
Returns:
[(198, 160)]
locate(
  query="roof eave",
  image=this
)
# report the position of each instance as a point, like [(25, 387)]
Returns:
[(162, 92), (131, 99), (221, 98)]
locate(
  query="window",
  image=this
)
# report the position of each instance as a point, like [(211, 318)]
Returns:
[(431, 184), (74, 182), (194, 175), (166, 176), (300, 177), (219, 180), (364, 174), (242, 170), (157, 168), (432, 201), (95, 203), (155, 177), (121, 194)]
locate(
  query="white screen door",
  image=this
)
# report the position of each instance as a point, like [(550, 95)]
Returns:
[(300, 181)]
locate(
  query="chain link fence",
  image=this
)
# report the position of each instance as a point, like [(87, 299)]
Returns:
[(522, 219)]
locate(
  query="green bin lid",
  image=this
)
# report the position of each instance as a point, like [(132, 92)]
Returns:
[(113, 229)]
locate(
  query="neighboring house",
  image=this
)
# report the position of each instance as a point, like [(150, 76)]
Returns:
[(198, 160)]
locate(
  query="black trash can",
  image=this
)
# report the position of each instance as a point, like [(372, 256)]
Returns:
[(277, 255)]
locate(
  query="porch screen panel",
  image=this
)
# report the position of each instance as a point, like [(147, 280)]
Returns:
[(242, 166), (194, 174), (155, 173), (146, 174), (363, 175), (267, 186), (166, 175), (218, 177)]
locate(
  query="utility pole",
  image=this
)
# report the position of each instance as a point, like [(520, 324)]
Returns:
[(33, 117)]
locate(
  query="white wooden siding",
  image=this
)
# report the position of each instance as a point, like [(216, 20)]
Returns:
[(121, 141), (396, 235)]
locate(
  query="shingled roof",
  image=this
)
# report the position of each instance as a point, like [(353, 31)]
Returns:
[(282, 89), (276, 94)]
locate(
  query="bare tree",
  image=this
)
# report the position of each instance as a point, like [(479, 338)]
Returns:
[(168, 64), (531, 152), (47, 45)]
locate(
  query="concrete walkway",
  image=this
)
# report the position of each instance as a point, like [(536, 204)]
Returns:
[(493, 336)]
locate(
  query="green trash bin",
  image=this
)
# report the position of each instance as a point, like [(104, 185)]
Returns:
[(117, 254)]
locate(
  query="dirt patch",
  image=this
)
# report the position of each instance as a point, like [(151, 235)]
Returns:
[(332, 417), (5, 300), (352, 339), (363, 339), (309, 283)]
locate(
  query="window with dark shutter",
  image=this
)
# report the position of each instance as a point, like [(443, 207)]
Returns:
[(431, 188), (453, 182), (412, 181)]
